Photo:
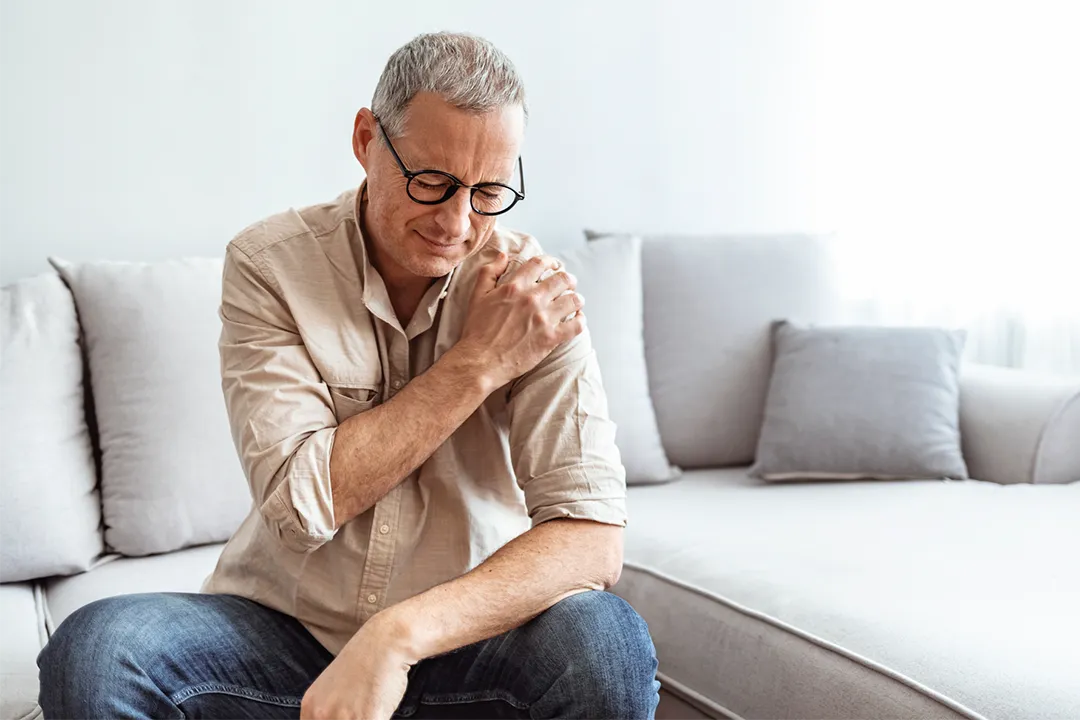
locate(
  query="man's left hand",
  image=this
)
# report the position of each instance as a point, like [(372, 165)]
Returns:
[(366, 681)]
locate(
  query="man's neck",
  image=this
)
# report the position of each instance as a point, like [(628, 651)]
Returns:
[(404, 289)]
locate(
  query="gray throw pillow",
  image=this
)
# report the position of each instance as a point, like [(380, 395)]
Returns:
[(847, 403)]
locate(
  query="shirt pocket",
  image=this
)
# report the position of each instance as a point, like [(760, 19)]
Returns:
[(350, 401)]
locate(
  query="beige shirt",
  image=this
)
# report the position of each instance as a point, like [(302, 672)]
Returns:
[(309, 338)]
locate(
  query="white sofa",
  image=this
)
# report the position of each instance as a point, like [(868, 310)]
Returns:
[(913, 599)]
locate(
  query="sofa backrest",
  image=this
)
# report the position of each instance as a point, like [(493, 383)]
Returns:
[(709, 305)]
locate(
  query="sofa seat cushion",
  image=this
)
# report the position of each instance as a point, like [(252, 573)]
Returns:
[(23, 637), (924, 598), (182, 571)]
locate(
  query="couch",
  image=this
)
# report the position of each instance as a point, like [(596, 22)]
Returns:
[(922, 598)]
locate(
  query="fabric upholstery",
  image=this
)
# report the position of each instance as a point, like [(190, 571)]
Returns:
[(23, 636), (1019, 426), (182, 571), (170, 474), (50, 513), (862, 402), (913, 599), (674, 707), (608, 272), (709, 303)]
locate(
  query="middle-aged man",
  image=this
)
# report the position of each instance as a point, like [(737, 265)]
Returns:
[(439, 502)]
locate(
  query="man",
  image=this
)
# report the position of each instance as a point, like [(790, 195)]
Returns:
[(439, 502)]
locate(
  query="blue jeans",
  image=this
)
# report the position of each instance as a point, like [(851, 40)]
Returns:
[(172, 655)]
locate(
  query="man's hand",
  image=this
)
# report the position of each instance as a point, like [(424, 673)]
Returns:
[(515, 322), (366, 681)]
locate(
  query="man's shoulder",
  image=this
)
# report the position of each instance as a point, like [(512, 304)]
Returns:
[(512, 242), (310, 222)]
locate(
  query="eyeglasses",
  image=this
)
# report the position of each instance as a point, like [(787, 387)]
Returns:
[(431, 187)]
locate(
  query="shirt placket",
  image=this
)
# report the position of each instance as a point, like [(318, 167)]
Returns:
[(375, 580)]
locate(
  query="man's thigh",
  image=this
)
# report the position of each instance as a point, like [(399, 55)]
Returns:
[(178, 655), (589, 655)]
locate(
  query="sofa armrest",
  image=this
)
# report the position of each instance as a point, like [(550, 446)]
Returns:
[(1017, 426)]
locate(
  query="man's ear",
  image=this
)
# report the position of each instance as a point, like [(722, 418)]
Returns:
[(365, 130)]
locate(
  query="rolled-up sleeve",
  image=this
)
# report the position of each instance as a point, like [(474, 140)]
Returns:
[(562, 439), (279, 408)]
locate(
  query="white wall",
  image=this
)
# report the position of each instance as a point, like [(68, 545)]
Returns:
[(153, 129)]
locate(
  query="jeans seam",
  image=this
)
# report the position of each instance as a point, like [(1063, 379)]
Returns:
[(234, 690), (477, 696)]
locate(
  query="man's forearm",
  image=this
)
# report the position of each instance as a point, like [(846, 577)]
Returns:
[(376, 450), (554, 560)]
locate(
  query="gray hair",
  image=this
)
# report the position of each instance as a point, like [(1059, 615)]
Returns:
[(465, 70)]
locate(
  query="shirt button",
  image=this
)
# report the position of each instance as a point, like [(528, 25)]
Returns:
[(384, 529), (372, 598), (397, 384)]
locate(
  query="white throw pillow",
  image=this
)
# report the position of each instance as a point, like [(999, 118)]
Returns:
[(50, 513), (608, 271), (170, 475)]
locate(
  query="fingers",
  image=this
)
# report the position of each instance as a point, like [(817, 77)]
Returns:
[(529, 273), (566, 305), (488, 275), (571, 328), (556, 285)]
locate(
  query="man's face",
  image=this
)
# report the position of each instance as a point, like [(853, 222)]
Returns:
[(430, 240)]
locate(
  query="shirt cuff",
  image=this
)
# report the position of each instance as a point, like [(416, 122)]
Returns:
[(595, 491), (301, 509)]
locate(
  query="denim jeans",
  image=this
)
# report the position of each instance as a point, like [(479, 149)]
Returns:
[(172, 655)]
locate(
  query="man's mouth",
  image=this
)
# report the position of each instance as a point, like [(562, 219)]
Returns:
[(438, 246)]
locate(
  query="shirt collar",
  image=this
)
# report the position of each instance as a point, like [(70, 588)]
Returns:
[(375, 296)]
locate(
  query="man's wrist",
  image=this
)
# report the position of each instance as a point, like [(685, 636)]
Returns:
[(397, 632), (473, 367)]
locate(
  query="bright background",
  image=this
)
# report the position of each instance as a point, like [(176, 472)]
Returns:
[(937, 140), (153, 129)]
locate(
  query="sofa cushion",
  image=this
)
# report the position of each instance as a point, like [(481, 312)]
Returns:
[(50, 516), (862, 402), (608, 272), (709, 303), (23, 637), (182, 571), (170, 474), (913, 599)]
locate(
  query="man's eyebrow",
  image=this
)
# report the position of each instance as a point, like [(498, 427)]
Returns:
[(501, 180)]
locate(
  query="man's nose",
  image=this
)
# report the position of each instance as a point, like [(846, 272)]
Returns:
[(453, 216)]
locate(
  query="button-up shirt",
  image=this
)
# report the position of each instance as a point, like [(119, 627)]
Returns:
[(309, 339)]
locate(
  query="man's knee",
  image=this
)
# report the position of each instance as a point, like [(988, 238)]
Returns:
[(98, 655), (608, 653), (105, 629)]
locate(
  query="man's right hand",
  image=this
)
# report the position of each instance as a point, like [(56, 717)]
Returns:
[(515, 323)]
